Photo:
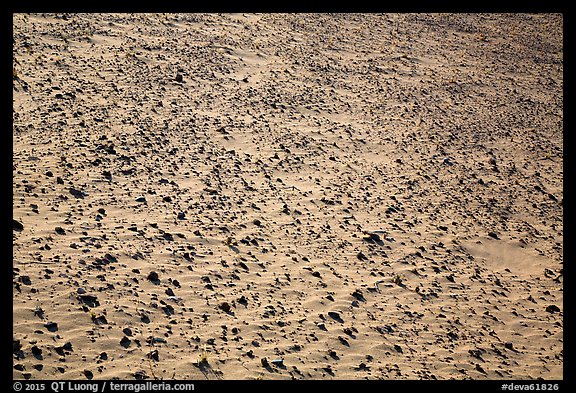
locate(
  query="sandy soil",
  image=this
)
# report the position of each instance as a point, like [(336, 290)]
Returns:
[(274, 196)]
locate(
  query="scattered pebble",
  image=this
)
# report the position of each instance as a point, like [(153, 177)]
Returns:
[(249, 187)]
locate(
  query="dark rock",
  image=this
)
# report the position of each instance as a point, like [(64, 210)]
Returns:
[(17, 226), (60, 230), (154, 355), (168, 310), (358, 295), (76, 193), (88, 374), (37, 352), (384, 329), (153, 276), (349, 332), (16, 346), (475, 353), (373, 237), (125, 342), (493, 235), (64, 349), (480, 369), (51, 326), (224, 306), (89, 300), (242, 300), (179, 78), (100, 320), (25, 280), (264, 362), (141, 199), (509, 345), (334, 315), (277, 362), (49, 174), (552, 308), (243, 266), (141, 375)]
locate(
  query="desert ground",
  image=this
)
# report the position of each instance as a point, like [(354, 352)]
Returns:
[(287, 196)]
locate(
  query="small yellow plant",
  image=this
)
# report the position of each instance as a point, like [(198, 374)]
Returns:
[(203, 358)]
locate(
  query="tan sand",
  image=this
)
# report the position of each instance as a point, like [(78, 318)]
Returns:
[(274, 196)]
